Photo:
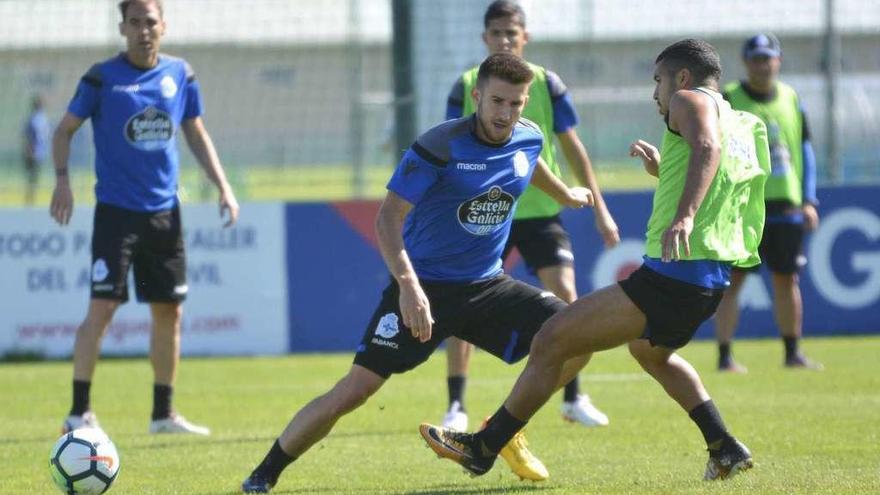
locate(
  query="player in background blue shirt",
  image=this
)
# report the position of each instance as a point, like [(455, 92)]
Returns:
[(441, 230), (137, 101), (36, 146)]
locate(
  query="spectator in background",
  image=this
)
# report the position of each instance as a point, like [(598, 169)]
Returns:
[(790, 200), (36, 147)]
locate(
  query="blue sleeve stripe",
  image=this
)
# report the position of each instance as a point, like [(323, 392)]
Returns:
[(511, 346), (427, 155)]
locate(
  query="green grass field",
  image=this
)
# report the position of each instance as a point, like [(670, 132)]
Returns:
[(810, 432)]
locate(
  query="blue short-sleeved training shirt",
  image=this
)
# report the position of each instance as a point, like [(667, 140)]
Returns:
[(136, 114), (464, 193)]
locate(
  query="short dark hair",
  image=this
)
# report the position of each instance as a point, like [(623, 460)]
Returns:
[(697, 56), (504, 9), (123, 6), (505, 66)]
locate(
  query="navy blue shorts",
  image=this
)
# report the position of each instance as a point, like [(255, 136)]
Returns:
[(674, 309), (151, 242), (542, 242), (499, 315)]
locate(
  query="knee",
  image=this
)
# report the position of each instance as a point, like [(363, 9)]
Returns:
[(643, 353), (100, 313), (348, 396), (167, 315), (546, 343)]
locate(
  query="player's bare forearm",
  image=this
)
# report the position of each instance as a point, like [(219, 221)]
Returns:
[(415, 309), (61, 145), (61, 205), (389, 230), (579, 161), (702, 167), (543, 179), (203, 149)]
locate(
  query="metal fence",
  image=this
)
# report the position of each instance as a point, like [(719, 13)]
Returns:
[(300, 97)]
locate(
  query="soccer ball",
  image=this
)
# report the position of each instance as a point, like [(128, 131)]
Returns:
[(84, 462)]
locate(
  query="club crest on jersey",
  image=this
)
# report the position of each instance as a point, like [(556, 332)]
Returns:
[(487, 212), (520, 164), (149, 130), (168, 87)]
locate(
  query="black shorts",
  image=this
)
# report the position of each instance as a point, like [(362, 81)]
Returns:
[(542, 242), (499, 315), (674, 309), (151, 241), (781, 247)]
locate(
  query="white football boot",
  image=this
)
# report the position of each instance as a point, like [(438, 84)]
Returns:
[(177, 424), (73, 422), (584, 412), (455, 418)]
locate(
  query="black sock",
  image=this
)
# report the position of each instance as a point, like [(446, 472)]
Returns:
[(81, 397), (791, 347), (500, 428), (455, 385), (572, 390), (724, 354), (708, 419), (161, 401), (274, 462)]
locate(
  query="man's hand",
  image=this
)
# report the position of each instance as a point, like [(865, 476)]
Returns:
[(811, 217), (607, 228), (648, 153), (61, 207), (228, 207), (578, 197), (416, 310), (675, 239)]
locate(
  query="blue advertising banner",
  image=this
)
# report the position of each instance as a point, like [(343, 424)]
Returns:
[(336, 275)]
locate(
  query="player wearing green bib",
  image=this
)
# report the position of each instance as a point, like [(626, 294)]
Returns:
[(707, 216), (537, 230), (790, 196)]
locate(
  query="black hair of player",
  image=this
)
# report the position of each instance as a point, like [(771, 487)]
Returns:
[(697, 56), (123, 7), (505, 66), (504, 9)]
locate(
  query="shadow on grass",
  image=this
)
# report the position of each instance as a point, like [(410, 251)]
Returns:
[(447, 489), (458, 489)]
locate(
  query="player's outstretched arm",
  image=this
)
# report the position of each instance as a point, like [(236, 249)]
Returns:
[(61, 207), (649, 154), (572, 197), (695, 116), (579, 161), (414, 306), (202, 146)]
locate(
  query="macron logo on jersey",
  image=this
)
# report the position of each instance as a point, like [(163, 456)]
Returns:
[(471, 167), (126, 88)]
